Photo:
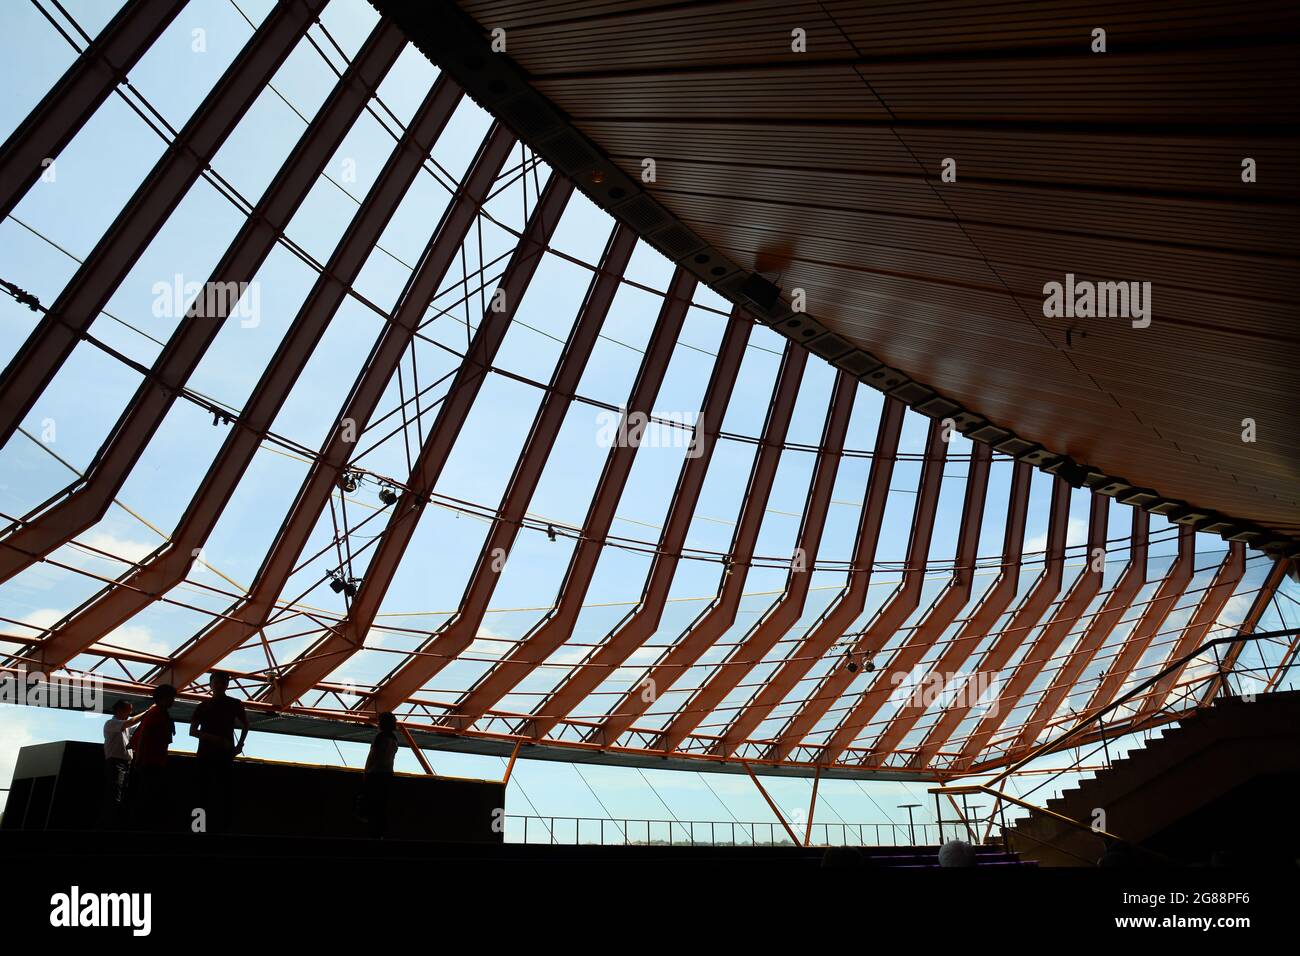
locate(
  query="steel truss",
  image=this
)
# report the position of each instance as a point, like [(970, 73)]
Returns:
[(846, 720)]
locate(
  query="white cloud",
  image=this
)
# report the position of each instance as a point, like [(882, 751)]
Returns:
[(130, 636), (137, 638), (15, 733), (1076, 533), (124, 548)]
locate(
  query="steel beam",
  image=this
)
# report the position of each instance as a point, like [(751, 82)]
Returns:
[(1066, 615), (1031, 609), (457, 634), (896, 610), (848, 604), (721, 614), (348, 637), (956, 594), (1211, 605), (197, 330), (1265, 594), (633, 631), (88, 82), (549, 635), (996, 600), (784, 614), (168, 568), (118, 250), (250, 614), (1153, 618), (1119, 600)]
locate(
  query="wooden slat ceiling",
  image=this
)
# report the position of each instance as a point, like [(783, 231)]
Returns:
[(821, 170)]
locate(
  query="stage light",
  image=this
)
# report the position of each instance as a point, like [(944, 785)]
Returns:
[(348, 481), (387, 495), (550, 531), (762, 292)]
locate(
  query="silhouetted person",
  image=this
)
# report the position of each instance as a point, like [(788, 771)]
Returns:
[(152, 739), (213, 724), (379, 775), (117, 762)]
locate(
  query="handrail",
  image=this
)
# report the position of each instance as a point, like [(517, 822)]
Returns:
[(1150, 681), (721, 832), (1052, 745)]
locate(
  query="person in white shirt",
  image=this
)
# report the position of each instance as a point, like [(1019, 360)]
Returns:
[(117, 761)]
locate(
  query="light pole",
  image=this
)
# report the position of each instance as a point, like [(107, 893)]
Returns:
[(911, 828)]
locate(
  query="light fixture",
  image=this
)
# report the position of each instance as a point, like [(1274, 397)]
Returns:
[(348, 481), (550, 532), (387, 495)]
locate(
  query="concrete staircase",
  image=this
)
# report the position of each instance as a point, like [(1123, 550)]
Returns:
[(135, 851), (1184, 773)]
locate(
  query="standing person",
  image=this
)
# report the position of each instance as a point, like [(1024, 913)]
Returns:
[(117, 762), (379, 775), (147, 797), (213, 724)]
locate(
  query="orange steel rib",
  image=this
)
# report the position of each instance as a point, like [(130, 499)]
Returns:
[(905, 599), (348, 636), (955, 594), (848, 604), (634, 630), (549, 635), (1086, 587), (1153, 618), (125, 241), (1208, 609), (137, 589), (785, 613), (1017, 630), (459, 632), (164, 570), (88, 82), (1099, 628), (995, 601), (245, 618), (1248, 625), (193, 336), (721, 614)]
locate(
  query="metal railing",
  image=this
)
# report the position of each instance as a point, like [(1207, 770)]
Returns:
[(996, 817), (606, 831)]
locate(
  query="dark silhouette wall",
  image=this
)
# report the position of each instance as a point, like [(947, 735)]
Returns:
[(58, 786)]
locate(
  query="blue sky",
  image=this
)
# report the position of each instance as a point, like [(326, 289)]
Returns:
[(96, 175)]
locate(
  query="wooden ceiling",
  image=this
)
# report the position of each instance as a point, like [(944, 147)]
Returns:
[(821, 170)]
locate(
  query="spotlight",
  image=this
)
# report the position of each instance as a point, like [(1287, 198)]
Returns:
[(762, 292), (336, 583), (1072, 473), (348, 481), (850, 664), (350, 588), (550, 531), (387, 495)]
